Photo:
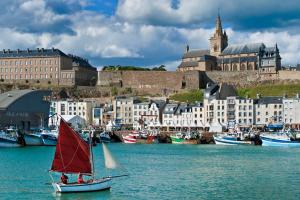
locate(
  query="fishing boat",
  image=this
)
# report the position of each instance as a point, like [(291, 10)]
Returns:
[(33, 139), (228, 139), (279, 140), (129, 139), (48, 139), (184, 138), (105, 137), (11, 138), (74, 156)]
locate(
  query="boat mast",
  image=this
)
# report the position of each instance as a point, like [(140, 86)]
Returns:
[(92, 156)]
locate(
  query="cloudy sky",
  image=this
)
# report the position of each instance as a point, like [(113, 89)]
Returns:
[(146, 32)]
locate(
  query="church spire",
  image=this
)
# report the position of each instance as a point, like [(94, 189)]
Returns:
[(218, 24)]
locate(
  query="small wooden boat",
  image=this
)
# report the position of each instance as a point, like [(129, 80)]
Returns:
[(11, 138), (74, 156)]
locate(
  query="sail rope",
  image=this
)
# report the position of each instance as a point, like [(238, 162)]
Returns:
[(64, 167)]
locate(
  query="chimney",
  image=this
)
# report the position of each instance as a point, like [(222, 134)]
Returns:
[(28, 50), (4, 51), (187, 48), (38, 49), (42, 49), (8, 50), (18, 50), (258, 96), (53, 49)]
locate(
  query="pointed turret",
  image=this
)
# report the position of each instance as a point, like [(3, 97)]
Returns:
[(219, 40), (218, 25)]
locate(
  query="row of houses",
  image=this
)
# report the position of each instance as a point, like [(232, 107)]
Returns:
[(220, 105), (225, 110)]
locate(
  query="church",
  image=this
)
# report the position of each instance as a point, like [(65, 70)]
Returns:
[(224, 57)]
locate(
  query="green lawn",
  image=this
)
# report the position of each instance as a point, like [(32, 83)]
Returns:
[(188, 97), (270, 90)]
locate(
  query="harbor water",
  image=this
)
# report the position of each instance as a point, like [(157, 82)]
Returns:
[(164, 171)]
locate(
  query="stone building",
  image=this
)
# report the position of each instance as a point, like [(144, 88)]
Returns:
[(49, 66), (238, 57)]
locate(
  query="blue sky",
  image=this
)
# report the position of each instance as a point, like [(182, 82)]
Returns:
[(144, 32)]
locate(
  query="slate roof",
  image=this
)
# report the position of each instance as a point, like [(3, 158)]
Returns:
[(244, 48), (31, 53), (195, 53), (238, 59), (7, 98), (269, 100), (170, 108), (188, 64)]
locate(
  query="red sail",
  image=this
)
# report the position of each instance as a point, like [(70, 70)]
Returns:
[(72, 154)]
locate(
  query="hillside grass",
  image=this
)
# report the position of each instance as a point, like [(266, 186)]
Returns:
[(270, 90), (188, 97)]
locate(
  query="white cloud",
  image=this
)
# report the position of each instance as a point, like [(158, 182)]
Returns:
[(100, 37)]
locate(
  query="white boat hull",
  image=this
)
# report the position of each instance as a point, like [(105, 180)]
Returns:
[(129, 140), (33, 140), (222, 141), (96, 185)]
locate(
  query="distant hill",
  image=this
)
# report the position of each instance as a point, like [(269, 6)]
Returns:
[(132, 68)]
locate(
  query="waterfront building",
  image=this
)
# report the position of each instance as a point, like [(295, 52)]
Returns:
[(148, 114), (291, 112), (24, 108), (268, 110), (139, 111), (123, 110), (240, 111), (97, 116), (72, 108), (224, 57), (198, 115), (45, 66), (168, 115)]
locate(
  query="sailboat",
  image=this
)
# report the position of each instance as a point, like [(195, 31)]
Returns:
[(74, 156)]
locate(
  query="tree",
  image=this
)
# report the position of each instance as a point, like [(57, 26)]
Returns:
[(114, 91)]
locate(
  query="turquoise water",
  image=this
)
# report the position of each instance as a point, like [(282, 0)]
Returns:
[(165, 171)]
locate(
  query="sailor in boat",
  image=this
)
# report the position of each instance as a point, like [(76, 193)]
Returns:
[(80, 179), (64, 178)]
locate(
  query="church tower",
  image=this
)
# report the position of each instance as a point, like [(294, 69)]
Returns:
[(219, 40)]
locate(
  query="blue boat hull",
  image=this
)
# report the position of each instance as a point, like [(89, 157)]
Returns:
[(49, 140), (278, 142), (33, 140)]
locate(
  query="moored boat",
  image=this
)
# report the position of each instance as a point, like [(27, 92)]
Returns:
[(33, 139), (230, 140), (129, 139), (184, 138), (280, 140), (11, 138), (105, 137)]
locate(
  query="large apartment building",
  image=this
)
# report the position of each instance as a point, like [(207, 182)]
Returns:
[(48, 66), (82, 109)]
